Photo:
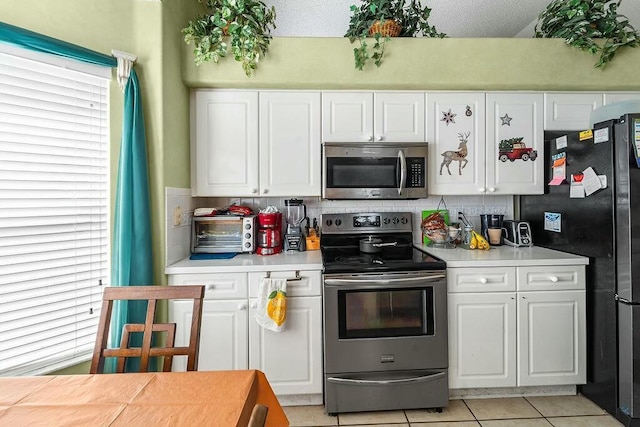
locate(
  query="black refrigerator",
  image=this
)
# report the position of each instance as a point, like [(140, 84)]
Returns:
[(605, 227)]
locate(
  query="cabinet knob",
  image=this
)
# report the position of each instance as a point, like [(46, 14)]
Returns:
[(481, 190), (254, 304), (370, 138), (254, 190), (211, 287), (265, 191), (483, 280), (492, 189), (379, 138), (242, 306), (554, 279)]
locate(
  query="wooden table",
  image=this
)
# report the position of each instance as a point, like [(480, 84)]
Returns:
[(211, 398)]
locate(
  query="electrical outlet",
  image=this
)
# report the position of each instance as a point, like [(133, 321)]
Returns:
[(177, 216)]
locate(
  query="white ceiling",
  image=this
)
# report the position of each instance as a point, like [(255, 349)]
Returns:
[(456, 18)]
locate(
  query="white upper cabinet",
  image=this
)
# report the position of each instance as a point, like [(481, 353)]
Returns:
[(290, 144), (224, 152), (570, 111), (250, 143), (456, 137), (612, 97), (485, 143), (515, 143), (373, 117)]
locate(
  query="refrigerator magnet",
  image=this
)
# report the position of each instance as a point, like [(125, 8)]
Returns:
[(553, 222), (559, 171), (601, 135)]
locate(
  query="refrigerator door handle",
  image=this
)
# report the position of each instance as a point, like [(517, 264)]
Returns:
[(625, 301)]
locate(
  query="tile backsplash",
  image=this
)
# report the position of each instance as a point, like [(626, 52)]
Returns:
[(178, 231)]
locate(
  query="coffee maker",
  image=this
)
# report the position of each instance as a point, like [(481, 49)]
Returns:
[(269, 233), (491, 228), (296, 213)]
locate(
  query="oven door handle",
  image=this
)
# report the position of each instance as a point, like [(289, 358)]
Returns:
[(403, 171), (375, 281), (430, 377)]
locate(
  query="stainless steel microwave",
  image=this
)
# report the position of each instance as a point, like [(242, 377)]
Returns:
[(374, 171)]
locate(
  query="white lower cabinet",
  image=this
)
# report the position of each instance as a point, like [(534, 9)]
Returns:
[(482, 340), (291, 360), (506, 337), (223, 334), (551, 338), (230, 338)]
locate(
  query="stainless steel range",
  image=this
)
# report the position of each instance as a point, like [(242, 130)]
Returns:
[(385, 316)]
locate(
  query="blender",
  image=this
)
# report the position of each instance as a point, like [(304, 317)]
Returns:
[(296, 213)]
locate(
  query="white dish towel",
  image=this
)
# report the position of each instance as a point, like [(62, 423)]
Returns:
[(272, 304)]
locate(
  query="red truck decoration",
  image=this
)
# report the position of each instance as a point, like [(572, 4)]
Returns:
[(513, 149)]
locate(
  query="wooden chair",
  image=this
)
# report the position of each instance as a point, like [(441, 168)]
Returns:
[(151, 294), (258, 416)]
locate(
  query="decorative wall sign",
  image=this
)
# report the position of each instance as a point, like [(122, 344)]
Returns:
[(514, 149), (459, 155), (468, 113), (506, 120), (448, 117)]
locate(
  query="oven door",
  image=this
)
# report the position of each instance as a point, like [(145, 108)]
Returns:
[(356, 171), (387, 321)]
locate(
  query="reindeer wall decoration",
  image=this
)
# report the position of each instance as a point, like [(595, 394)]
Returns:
[(459, 156)]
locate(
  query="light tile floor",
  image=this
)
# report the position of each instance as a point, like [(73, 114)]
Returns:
[(539, 411)]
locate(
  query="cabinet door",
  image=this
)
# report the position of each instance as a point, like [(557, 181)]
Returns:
[(290, 144), (347, 117), (570, 111), (482, 340), (456, 136), (399, 117), (291, 359), (551, 338), (223, 334), (515, 143), (611, 97), (225, 150)]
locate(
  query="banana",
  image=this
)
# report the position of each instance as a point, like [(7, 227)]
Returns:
[(481, 241), (474, 241)]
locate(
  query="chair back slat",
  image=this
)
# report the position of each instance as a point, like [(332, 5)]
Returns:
[(151, 294)]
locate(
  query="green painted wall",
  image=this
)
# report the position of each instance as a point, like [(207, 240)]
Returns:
[(423, 64)]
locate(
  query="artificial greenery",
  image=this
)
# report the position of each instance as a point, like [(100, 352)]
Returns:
[(407, 13), (582, 22), (247, 23)]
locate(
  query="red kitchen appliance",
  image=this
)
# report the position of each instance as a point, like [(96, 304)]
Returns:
[(269, 233)]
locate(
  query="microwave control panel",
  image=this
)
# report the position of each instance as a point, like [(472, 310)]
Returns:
[(415, 172)]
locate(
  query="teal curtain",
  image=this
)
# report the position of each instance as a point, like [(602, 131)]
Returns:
[(131, 262)]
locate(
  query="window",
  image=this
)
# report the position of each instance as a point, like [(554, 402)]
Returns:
[(54, 209)]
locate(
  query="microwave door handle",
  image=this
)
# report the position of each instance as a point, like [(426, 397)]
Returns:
[(403, 171)]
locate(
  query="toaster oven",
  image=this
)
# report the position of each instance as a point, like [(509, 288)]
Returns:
[(221, 234)]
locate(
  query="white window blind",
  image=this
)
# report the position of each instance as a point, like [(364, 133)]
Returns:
[(54, 213)]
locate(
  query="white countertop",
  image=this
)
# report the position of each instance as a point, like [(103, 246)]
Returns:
[(504, 256), (308, 260)]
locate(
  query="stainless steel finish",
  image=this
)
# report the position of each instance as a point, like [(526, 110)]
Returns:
[(389, 222), (385, 332), (240, 235), (400, 381), (391, 150), (375, 280), (403, 171)]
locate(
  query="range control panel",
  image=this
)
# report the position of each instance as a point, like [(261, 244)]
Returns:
[(382, 222), (416, 172)]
